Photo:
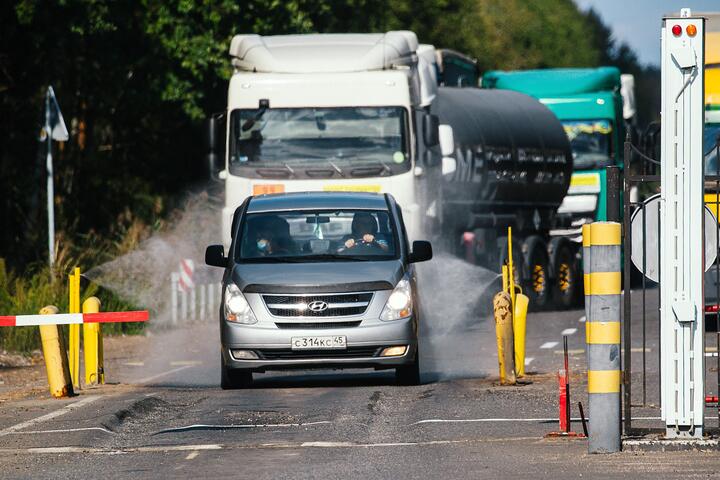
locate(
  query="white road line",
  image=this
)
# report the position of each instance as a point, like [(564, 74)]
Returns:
[(529, 360), (189, 363), (63, 430), (49, 416), (547, 345), (582, 319), (160, 375), (569, 331), (192, 455)]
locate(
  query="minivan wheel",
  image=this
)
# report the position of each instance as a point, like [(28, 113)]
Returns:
[(408, 374), (234, 378)]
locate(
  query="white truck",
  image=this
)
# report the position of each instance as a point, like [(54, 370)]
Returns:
[(362, 112), (333, 112)]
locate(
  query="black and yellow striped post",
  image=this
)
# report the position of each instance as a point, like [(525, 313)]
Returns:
[(602, 333)]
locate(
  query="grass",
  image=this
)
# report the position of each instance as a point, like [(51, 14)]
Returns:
[(40, 286)]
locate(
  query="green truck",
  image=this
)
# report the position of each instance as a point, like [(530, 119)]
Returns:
[(595, 106)]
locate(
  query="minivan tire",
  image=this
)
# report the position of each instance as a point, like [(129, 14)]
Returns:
[(408, 374), (234, 378)]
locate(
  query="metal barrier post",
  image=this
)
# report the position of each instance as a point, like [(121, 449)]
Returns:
[(519, 328), (502, 306), (93, 345), (602, 333), (56, 361), (74, 330), (174, 297), (193, 304)]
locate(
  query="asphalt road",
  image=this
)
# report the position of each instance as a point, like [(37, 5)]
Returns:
[(164, 416)]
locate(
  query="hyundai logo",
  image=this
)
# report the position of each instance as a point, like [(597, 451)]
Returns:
[(318, 306)]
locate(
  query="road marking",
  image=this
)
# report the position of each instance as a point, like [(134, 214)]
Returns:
[(189, 363), (582, 319), (134, 364), (569, 331), (201, 426), (49, 416), (547, 345), (63, 430), (192, 455), (160, 375), (529, 360)]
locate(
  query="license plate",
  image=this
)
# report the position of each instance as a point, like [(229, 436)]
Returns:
[(334, 342)]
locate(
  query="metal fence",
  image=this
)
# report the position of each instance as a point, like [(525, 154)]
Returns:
[(196, 301), (641, 347)]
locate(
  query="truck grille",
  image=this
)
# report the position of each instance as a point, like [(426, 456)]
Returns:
[(288, 354), (336, 305)]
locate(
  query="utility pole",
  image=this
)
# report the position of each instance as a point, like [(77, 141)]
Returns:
[(682, 369)]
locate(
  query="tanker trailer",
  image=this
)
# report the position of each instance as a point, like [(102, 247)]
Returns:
[(507, 163)]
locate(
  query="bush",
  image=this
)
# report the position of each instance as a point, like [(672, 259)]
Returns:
[(26, 295)]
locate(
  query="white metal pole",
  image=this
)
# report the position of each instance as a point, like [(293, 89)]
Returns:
[(682, 371), (203, 302), (173, 297), (193, 303), (50, 187)]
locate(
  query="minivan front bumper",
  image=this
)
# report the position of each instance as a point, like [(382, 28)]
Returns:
[(364, 345)]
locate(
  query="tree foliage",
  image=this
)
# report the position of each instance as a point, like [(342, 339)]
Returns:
[(134, 80)]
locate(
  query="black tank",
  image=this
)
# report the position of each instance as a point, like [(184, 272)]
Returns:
[(513, 159)]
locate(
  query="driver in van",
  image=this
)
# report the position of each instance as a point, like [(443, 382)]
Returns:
[(364, 231)]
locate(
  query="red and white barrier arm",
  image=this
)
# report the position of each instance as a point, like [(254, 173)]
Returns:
[(73, 318)]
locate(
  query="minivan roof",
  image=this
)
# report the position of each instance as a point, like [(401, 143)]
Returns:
[(317, 200)]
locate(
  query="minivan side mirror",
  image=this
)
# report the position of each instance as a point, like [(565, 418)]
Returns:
[(430, 129), (215, 256), (421, 251)]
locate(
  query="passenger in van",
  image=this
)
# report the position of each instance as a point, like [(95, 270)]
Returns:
[(272, 236), (364, 232)]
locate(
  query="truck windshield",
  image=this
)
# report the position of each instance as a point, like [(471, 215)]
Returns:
[(591, 143), (319, 142), (317, 236), (711, 147)]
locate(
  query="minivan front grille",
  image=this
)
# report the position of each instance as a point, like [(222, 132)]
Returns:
[(297, 325), (330, 305)]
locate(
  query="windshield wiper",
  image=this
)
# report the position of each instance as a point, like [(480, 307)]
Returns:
[(333, 256), (337, 169)]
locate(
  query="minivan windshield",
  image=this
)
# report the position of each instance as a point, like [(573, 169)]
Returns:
[(319, 142), (317, 236)]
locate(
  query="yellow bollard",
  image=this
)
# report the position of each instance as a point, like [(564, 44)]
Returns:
[(93, 345), (56, 362), (519, 324), (74, 330), (511, 268), (502, 307)]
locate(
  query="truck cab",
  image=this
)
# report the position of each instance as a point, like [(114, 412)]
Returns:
[(327, 112)]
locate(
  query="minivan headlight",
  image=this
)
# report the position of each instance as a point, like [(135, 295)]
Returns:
[(399, 305), (237, 309)]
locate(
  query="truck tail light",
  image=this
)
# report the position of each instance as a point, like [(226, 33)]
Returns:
[(677, 30)]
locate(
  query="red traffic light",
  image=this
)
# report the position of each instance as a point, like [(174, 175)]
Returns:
[(677, 30)]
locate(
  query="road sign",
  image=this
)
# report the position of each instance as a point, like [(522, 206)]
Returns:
[(682, 369), (645, 226)]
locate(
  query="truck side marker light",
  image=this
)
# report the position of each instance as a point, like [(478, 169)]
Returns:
[(677, 30), (691, 30)]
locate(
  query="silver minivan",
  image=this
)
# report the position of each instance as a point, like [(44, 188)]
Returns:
[(318, 280)]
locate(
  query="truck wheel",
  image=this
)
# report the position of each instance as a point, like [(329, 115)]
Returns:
[(537, 285), (233, 378), (567, 281), (409, 374)]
